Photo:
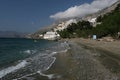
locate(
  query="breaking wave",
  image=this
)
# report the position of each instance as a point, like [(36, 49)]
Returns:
[(38, 63), (12, 68)]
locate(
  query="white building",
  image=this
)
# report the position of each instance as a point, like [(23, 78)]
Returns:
[(40, 35), (60, 27), (93, 20), (64, 25), (51, 35)]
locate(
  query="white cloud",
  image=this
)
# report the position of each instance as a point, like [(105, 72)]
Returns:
[(84, 9)]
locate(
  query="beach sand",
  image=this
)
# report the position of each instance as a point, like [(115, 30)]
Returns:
[(87, 60), (113, 47)]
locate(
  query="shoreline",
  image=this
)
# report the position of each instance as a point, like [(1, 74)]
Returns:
[(67, 65), (61, 48), (85, 60)]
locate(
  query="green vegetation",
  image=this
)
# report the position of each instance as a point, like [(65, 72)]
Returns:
[(110, 25), (76, 30)]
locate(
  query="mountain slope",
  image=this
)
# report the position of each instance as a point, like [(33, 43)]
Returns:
[(11, 34), (101, 12), (109, 26)]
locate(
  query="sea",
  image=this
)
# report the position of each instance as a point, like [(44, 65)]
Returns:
[(20, 58)]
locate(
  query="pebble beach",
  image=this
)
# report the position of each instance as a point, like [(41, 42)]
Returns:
[(87, 60)]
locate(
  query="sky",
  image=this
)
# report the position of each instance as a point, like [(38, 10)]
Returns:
[(31, 15)]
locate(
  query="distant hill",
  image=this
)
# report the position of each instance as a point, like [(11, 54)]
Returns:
[(11, 34)]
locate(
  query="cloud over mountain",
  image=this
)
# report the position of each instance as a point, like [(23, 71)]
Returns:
[(84, 9)]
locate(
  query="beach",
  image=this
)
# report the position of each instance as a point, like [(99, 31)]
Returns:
[(113, 46), (87, 60), (84, 59)]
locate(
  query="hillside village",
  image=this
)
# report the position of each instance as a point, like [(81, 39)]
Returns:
[(53, 34), (91, 20)]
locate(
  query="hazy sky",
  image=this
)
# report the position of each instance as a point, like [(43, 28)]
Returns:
[(30, 15)]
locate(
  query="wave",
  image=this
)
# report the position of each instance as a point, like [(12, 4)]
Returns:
[(28, 51), (50, 76), (54, 58), (38, 63), (12, 68)]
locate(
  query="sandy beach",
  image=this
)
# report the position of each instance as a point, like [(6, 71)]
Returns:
[(87, 60), (113, 47)]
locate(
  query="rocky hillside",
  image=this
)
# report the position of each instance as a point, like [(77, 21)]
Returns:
[(50, 27), (102, 12)]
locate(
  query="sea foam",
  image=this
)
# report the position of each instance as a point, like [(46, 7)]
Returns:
[(12, 68), (39, 63), (50, 76)]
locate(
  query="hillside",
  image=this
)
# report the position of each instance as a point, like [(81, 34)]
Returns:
[(101, 12), (41, 31), (109, 26), (11, 34)]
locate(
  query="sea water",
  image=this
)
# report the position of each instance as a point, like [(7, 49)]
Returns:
[(20, 58)]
